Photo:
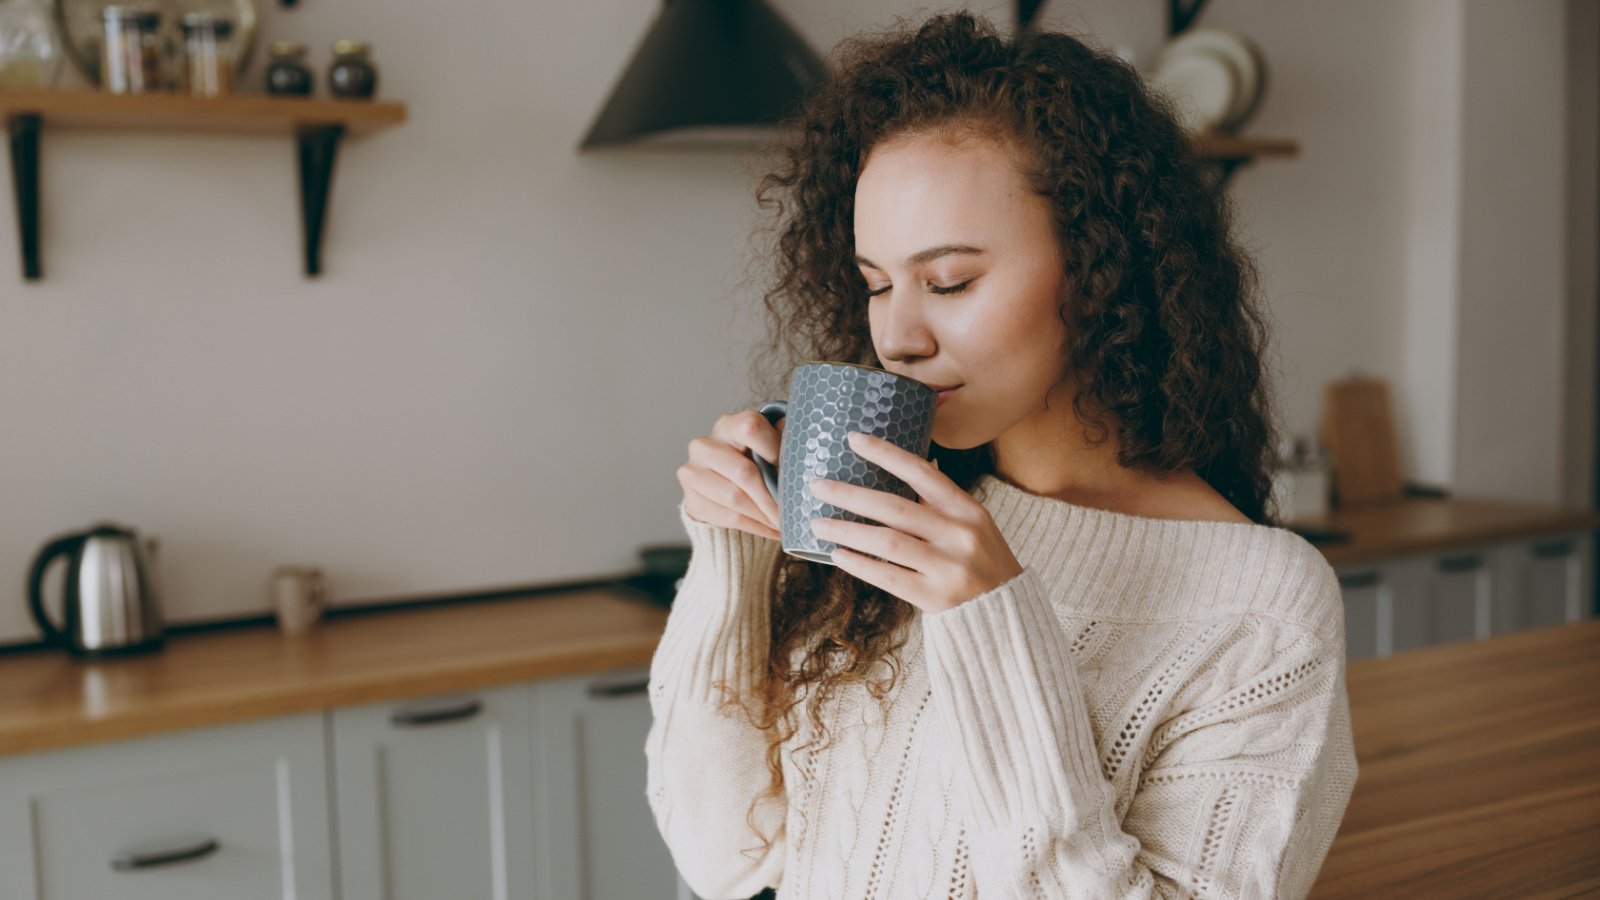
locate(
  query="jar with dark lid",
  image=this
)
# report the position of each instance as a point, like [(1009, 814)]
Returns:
[(130, 54), (352, 74), (288, 72), (208, 53)]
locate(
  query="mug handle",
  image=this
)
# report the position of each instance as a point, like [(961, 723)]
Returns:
[(773, 411)]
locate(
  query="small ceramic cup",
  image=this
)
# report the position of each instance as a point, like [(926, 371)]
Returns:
[(827, 401), (299, 595)]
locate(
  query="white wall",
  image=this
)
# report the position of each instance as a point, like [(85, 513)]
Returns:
[(512, 344)]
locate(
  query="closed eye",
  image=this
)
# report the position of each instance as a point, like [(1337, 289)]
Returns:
[(952, 289)]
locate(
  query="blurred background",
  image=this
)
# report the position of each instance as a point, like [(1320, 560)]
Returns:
[(485, 386)]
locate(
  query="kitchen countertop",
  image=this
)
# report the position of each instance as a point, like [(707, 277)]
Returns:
[(1480, 770), (1417, 525), (50, 700)]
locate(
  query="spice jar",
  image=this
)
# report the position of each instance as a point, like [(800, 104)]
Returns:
[(130, 56), (288, 72), (352, 74), (208, 53)]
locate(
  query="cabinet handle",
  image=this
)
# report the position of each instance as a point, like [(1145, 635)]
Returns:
[(129, 861), (432, 716), (1360, 579), (619, 687), (1463, 563), (1553, 549)]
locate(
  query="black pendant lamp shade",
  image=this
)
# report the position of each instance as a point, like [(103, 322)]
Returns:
[(709, 70)]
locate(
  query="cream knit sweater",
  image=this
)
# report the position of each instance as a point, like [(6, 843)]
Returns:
[(1153, 708)]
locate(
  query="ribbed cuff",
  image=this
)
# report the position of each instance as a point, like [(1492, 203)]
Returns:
[(1003, 680), (718, 626)]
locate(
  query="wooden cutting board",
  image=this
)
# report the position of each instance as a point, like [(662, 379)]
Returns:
[(1359, 432)]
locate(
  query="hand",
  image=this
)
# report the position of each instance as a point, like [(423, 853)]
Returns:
[(722, 486), (937, 553)]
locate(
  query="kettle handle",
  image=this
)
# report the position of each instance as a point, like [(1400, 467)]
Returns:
[(58, 547)]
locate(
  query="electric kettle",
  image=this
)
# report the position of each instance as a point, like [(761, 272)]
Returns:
[(109, 600)]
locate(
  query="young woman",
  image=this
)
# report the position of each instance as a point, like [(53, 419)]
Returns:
[(1087, 663)]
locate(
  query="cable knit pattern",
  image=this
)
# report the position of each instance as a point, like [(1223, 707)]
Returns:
[(1152, 708)]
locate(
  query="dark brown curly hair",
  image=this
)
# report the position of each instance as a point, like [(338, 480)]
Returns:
[(1164, 343)]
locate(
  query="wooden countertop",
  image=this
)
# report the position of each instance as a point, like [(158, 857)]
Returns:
[(1430, 525), (1479, 771), (50, 700)]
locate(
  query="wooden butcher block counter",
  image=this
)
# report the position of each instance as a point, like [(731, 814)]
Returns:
[(49, 699)]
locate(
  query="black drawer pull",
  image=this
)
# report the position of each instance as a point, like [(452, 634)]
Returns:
[(1553, 549), (1360, 579), (433, 716), (1463, 563), (128, 861), (619, 687)]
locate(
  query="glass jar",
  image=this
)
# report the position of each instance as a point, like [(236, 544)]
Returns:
[(208, 53), (30, 54), (288, 72), (130, 56), (352, 74)]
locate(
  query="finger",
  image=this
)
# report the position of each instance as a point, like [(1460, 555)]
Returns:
[(920, 474), (882, 575), (731, 464), (710, 513), (718, 488), (750, 430), (886, 543), (893, 510)]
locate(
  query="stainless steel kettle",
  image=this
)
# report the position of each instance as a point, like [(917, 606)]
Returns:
[(110, 603)]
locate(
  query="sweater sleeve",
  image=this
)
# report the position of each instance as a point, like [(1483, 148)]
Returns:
[(1241, 801), (705, 765)]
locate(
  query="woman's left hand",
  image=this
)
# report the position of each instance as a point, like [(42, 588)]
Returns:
[(937, 553)]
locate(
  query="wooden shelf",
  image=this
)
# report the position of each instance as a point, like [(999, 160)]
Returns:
[(317, 124), (255, 113)]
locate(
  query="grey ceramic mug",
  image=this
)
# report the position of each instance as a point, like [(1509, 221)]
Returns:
[(827, 401)]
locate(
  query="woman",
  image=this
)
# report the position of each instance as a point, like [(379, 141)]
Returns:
[(1086, 663)]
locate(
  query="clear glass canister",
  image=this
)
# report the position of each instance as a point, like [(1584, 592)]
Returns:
[(130, 56), (208, 53)]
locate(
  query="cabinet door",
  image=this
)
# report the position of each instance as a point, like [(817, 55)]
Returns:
[(1545, 581), (1385, 609), (1461, 596), (1367, 604), (435, 797), (600, 839), (237, 811)]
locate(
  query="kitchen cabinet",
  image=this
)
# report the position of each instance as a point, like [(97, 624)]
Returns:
[(1467, 593), (435, 797), (601, 838), (1551, 580), (236, 811)]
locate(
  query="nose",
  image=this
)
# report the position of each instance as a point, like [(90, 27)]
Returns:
[(903, 331)]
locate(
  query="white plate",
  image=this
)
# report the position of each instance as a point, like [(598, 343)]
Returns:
[(1203, 84), (1247, 61)]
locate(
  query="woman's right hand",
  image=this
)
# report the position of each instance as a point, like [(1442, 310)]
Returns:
[(722, 486)]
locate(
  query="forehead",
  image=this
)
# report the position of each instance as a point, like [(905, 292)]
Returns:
[(918, 190)]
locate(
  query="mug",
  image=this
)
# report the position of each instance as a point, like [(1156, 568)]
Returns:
[(299, 595), (827, 401)]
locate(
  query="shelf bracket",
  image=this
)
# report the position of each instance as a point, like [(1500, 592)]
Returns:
[(1180, 15), (1225, 168), (319, 144), (24, 132)]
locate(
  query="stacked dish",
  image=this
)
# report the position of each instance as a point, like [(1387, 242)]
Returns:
[(1216, 77)]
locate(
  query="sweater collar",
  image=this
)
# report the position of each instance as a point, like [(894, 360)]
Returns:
[(1138, 568)]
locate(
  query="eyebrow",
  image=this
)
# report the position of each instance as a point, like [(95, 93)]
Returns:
[(928, 255)]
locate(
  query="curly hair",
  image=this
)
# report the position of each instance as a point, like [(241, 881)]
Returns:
[(1164, 344)]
